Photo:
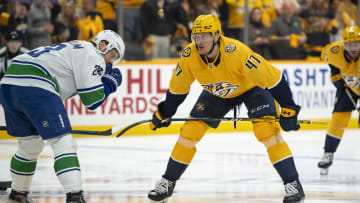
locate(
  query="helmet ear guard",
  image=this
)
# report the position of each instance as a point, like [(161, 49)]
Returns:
[(114, 42)]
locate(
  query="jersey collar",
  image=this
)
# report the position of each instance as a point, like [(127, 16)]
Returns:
[(216, 61)]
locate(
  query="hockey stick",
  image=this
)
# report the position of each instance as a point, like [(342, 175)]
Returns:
[(351, 98), (216, 119), (124, 127), (90, 132)]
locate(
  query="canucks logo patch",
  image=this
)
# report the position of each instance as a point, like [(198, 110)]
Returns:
[(335, 49), (221, 89), (230, 48), (186, 52)]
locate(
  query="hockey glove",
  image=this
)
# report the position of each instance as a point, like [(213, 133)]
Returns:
[(288, 117), (112, 77), (159, 120), (338, 81)]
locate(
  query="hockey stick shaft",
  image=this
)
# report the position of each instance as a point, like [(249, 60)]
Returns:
[(87, 132), (351, 98), (124, 128), (216, 119)]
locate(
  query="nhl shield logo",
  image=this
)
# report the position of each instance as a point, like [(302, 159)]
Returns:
[(230, 48), (200, 107)]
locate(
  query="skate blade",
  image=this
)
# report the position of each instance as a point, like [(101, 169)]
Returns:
[(324, 171)]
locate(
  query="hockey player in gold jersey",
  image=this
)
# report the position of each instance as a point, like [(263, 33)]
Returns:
[(343, 59), (230, 74)]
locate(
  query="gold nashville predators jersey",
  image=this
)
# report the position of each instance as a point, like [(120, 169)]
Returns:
[(235, 70), (335, 55)]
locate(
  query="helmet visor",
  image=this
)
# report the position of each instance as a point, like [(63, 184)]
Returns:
[(201, 37)]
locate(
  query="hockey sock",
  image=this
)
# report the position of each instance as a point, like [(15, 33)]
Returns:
[(66, 165), (181, 157), (338, 123), (22, 172), (331, 143), (67, 169), (23, 163), (281, 157)]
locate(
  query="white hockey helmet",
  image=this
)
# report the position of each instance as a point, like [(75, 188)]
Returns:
[(114, 42)]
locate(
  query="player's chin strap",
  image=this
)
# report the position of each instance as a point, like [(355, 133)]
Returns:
[(213, 46)]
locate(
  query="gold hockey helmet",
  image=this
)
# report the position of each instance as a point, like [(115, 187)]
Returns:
[(207, 23), (351, 34)]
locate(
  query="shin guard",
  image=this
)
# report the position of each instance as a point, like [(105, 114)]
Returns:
[(23, 163), (66, 165), (283, 161)]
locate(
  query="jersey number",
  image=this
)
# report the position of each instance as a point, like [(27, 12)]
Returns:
[(53, 47), (252, 62)]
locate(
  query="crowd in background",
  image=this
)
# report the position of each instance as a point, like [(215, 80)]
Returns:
[(278, 29)]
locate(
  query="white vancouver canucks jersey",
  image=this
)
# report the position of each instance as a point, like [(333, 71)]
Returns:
[(64, 69)]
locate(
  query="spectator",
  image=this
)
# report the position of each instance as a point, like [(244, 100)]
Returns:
[(287, 34), (91, 23), (268, 12), (236, 17), (350, 8), (133, 35), (4, 21), (40, 27), (132, 24), (319, 22), (13, 48), (156, 27), (278, 5), (177, 46), (209, 7), (66, 29), (55, 9), (19, 20), (258, 34), (180, 16), (107, 8), (342, 18)]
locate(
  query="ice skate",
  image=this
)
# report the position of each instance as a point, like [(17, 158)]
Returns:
[(19, 197), (75, 197), (325, 163), (294, 192), (163, 190)]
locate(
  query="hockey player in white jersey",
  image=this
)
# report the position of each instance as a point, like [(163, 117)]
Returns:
[(32, 93)]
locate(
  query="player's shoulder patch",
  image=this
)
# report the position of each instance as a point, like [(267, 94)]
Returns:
[(230, 48), (335, 49), (186, 52)]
